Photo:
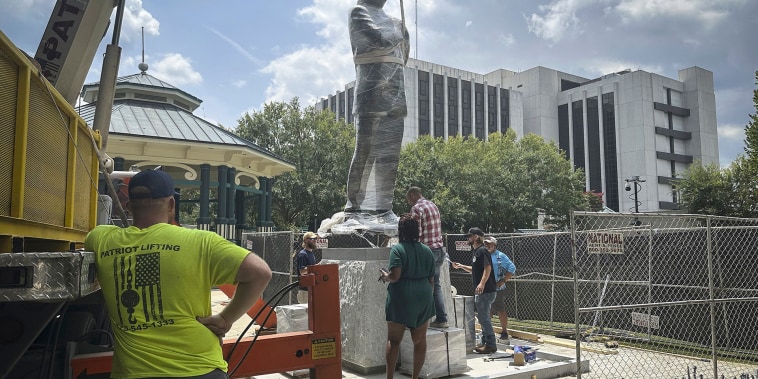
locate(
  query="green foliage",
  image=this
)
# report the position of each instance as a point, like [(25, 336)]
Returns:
[(321, 149), (743, 201), (751, 130), (725, 192), (704, 190), (498, 185)]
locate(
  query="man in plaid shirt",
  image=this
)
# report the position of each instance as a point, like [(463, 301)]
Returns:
[(430, 234)]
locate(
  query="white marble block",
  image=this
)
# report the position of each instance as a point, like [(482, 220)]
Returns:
[(463, 317), (445, 353), (291, 318)]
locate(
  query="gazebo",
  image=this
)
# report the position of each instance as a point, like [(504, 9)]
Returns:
[(152, 125)]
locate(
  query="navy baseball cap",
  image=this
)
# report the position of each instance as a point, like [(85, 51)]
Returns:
[(476, 231), (157, 182)]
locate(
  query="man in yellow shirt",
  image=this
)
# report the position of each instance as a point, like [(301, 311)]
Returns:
[(156, 279)]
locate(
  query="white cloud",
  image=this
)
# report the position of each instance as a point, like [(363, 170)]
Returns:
[(708, 13), (330, 14), (468, 24), (507, 39), (239, 83), (176, 70), (560, 20), (135, 18), (309, 73), (25, 9), (731, 132)]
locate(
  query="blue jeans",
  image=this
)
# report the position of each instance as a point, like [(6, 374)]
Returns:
[(439, 299), (483, 303)]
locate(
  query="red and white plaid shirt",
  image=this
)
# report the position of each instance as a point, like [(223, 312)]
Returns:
[(429, 223)]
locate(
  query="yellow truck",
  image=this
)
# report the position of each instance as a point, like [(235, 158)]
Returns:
[(49, 169)]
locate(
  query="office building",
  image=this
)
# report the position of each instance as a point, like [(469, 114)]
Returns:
[(619, 126)]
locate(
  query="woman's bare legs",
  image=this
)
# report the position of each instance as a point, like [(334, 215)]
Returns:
[(394, 337), (418, 335)]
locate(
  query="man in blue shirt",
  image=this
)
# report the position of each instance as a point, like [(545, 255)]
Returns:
[(503, 269), (304, 259)]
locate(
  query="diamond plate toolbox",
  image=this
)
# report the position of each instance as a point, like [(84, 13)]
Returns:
[(47, 276)]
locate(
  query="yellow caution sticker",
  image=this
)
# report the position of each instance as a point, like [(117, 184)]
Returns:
[(322, 348)]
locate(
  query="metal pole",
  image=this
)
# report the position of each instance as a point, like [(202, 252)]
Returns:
[(637, 188), (576, 299), (712, 295)]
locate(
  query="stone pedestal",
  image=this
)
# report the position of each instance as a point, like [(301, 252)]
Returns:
[(464, 318), (362, 300), (445, 353)]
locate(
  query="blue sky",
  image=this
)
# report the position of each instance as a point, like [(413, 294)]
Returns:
[(236, 55)]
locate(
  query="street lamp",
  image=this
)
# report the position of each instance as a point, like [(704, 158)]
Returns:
[(635, 181)]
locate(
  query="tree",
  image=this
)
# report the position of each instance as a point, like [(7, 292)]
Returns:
[(751, 130), (320, 148), (498, 185), (732, 191), (705, 190)]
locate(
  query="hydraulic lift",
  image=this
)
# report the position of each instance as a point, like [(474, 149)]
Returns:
[(317, 349)]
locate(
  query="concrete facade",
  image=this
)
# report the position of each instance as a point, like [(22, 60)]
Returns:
[(618, 126)]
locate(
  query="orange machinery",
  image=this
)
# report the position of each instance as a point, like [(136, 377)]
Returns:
[(318, 349)]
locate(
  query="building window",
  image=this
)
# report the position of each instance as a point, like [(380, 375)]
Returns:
[(491, 109), (438, 98), (452, 107), (563, 130), (466, 108), (350, 100), (479, 109), (567, 84), (577, 118), (423, 103), (341, 96), (609, 146), (593, 145), (505, 117)]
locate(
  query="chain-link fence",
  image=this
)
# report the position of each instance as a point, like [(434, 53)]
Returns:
[(278, 249), (674, 291), (539, 297)]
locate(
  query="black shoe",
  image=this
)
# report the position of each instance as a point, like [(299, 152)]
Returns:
[(485, 350)]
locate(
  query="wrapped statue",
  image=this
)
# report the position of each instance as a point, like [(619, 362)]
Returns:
[(380, 50)]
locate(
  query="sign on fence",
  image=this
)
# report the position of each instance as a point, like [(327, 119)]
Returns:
[(322, 243), (645, 320), (605, 243), (462, 246)]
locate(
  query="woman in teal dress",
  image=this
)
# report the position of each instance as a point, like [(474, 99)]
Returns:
[(410, 302)]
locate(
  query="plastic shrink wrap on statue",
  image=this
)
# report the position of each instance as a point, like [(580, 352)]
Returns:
[(380, 50)]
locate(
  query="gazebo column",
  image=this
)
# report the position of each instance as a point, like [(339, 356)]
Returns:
[(231, 227), (118, 164), (240, 213), (204, 221), (269, 202), (221, 203), (263, 225), (177, 197)]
